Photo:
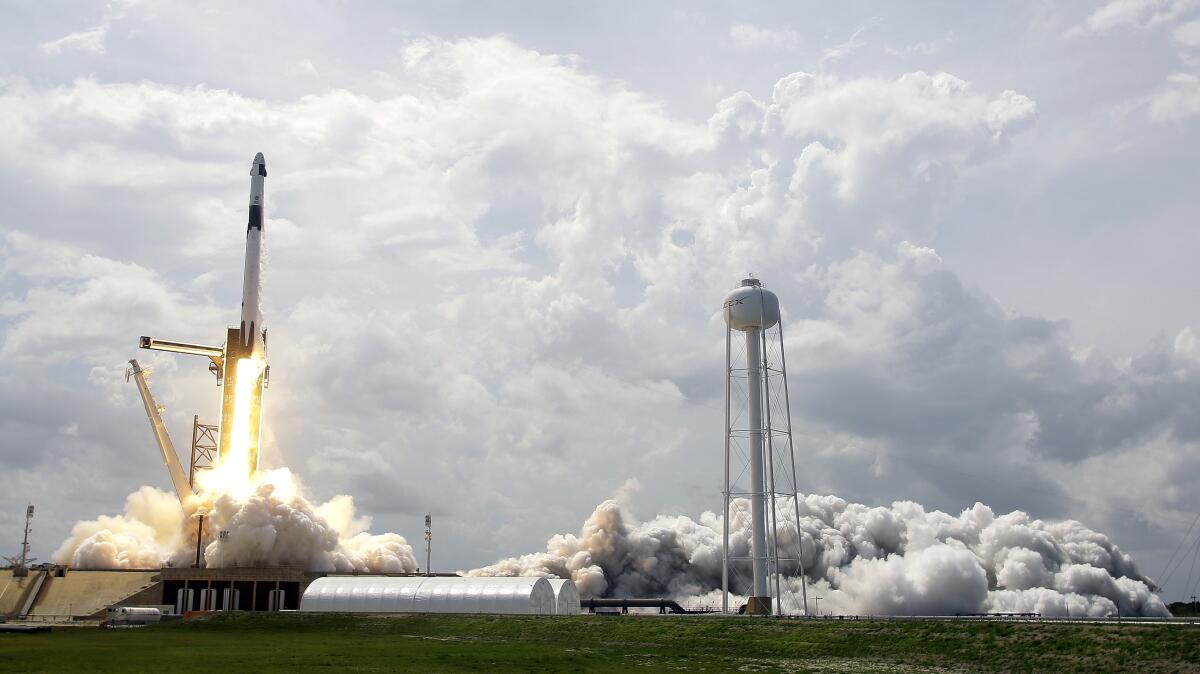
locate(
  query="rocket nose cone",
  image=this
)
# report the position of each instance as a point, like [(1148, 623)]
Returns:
[(259, 166)]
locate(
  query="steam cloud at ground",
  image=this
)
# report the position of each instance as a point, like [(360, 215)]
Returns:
[(275, 526), (860, 560), (898, 560)]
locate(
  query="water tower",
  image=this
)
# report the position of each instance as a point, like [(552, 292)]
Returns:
[(760, 465)]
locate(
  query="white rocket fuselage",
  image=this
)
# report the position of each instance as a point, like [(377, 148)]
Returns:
[(245, 343), (251, 323)]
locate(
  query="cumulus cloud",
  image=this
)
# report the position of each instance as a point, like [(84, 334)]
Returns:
[(1177, 100), (912, 327), (1133, 14), (750, 36), (91, 41), (1187, 34), (901, 560)]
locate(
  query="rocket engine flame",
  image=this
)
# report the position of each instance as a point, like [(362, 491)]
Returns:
[(233, 473)]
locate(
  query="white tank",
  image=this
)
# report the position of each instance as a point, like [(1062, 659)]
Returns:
[(429, 594), (751, 306), (133, 615)]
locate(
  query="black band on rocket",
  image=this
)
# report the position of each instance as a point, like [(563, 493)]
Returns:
[(255, 218)]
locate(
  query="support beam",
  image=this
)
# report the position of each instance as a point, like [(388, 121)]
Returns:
[(214, 353), (162, 438)]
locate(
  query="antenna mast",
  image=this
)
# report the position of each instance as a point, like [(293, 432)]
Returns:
[(428, 543), (20, 563)]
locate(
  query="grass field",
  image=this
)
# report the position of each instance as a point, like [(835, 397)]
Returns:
[(426, 643)]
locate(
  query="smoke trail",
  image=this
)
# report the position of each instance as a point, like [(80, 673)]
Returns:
[(274, 526), (861, 560)]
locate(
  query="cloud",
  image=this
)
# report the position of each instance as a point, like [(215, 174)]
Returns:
[(1177, 100), (929, 350), (1187, 34), (275, 525), (91, 41), (851, 45), (303, 68), (1132, 14), (494, 277), (924, 48), (897, 560), (750, 36)]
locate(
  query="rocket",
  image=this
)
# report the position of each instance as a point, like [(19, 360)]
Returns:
[(244, 364), (240, 365), (251, 325)]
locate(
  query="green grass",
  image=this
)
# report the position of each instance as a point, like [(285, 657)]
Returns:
[(424, 643)]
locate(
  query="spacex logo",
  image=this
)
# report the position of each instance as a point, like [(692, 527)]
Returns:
[(729, 303)]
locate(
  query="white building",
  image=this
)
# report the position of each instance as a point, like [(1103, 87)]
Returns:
[(437, 594), (566, 596)]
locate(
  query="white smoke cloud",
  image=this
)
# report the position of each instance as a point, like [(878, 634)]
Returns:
[(142, 537), (900, 560), (275, 526)]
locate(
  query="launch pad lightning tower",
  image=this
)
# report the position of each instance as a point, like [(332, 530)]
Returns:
[(760, 464), (240, 365)]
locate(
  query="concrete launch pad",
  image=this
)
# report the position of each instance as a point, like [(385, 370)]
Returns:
[(61, 594)]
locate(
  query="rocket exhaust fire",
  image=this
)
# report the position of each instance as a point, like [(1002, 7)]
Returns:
[(240, 365)]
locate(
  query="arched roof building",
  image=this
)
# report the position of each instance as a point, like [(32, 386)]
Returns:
[(566, 596), (425, 594)]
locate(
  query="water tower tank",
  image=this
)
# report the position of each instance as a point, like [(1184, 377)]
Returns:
[(751, 306)]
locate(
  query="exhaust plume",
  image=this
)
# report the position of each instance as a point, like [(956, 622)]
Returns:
[(275, 525), (898, 560)]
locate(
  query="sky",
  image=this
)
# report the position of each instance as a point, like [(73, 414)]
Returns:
[(499, 236)]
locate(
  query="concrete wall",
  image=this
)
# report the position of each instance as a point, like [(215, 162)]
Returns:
[(86, 594), (13, 591)]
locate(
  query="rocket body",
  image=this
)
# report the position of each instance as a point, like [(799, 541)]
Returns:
[(251, 324), (245, 362)]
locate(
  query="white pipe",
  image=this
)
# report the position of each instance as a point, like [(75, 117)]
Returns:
[(725, 493)]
